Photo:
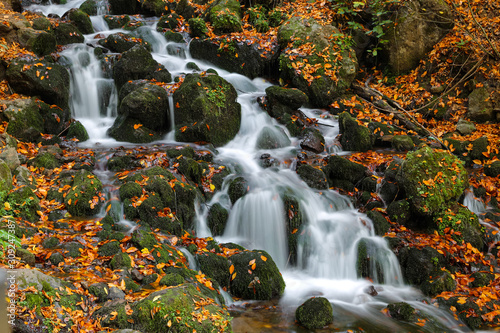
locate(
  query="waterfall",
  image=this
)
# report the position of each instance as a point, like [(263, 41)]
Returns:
[(333, 235)]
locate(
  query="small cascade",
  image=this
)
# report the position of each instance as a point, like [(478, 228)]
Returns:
[(474, 204)]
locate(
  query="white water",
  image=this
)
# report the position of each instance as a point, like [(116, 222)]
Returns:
[(328, 245)]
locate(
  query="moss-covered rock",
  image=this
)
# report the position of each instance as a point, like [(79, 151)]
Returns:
[(190, 169), (480, 106), (322, 89), (144, 240), (161, 187), (481, 279), (26, 78), (120, 42), (238, 187), (42, 23), (5, 177), (89, 7), (217, 219), (492, 169), (109, 248), (225, 16), (314, 313), (402, 143), (77, 131), (117, 21), (257, 276), (313, 140), (25, 203), (46, 160), (402, 311), (215, 267), (68, 33), (432, 179), (314, 178), (355, 137), (208, 102), (118, 7), (171, 280), (81, 20), (399, 211), (130, 190), (42, 43), (120, 261), (437, 283), (83, 199), (197, 28), (272, 138), (25, 121), (380, 224), (340, 168)]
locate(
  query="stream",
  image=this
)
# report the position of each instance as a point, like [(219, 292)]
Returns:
[(328, 244)]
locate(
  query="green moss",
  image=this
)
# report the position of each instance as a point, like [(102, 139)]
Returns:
[(402, 311), (130, 190), (172, 279), (83, 197), (198, 27), (109, 249), (459, 218), (120, 260), (316, 312)]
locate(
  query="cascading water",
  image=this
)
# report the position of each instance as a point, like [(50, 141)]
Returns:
[(332, 232)]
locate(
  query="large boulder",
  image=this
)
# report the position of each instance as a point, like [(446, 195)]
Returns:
[(120, 42), (206, 110), (314, 178), (80, 19), (25, 122), (48, 81), (355, 137), (234, 56), (225, 16), (255, 276), (146, 109), (325, 72), (341, 169), (432, 179), (272, 138), (67, 33), (416, 29), (137, 63), (42, 43), (84, 196)]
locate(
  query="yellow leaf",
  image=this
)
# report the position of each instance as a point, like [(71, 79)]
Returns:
[(462, 300), (7, 206), (233, 276), (169, 323), (212, 187), (145, 251), (251, 262), (477, 162)]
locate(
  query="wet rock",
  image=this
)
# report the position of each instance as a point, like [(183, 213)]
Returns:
[(26, 202), (339, 168), (313, 141), (136, 63), (154, 7), (380, 224), (190, 169), (197, 28), (53, 89), (272, 138), (144, 240), (67, 33), (89, 7), (381, 132), (225, 16), (56, 258), (402, 311), (109, 248), (399, 212), (118, 21), (432, 179), (468, 311), (118, 7), (171, 279), (127, 130), (161, 187), (9, 155), (321, 90), (480, 106), (217, 219), (121, 42), (438, 282), (130, 190), (492, 169), (80, 19), (120, 261), (315, 313), (42, 43), (355, 137), (73, 249), (481, 279), (290, 97), (77, 130), (209, 102), (237, 188), (265, 281), (314, 178), (415, 31), (42, 23), (369, 264)]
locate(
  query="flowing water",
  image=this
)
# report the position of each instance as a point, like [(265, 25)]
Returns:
[(328, 243)]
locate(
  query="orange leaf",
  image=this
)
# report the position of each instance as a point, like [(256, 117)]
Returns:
[(263, 258), (231, 269), (136, 126), (251, 262)]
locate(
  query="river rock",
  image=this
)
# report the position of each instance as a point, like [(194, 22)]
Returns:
[(46, 80), (238, 187), (239, 57), (465, 127), (314, 178), (25, 122), (355, 137), (314, 313), (215, 267), (402, 311), (137, 63), (206, 110), (80, 19), (402, 143), (480, 106), (67, 33), (340, 168), (272, 138), (76, 130), (118, 7), (416, 29), (313, 140), (42, 43), (432, 179), (121, 42), (89, 7), (217, 219), (321, 89), (257, 276)]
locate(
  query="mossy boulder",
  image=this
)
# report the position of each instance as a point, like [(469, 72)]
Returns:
[(89, 7), (314, 178), (174, 308), (161, 186), (208, 102), (144, 240), (492, 169), (42, 23), (77, 131), (81, 20), (83, 199), (134, 64), (46, 160), (49, 81), (25, 203), (217, 219), (402, 143), (191, 169), (215, 267), (313, 140), (257, 276), (127, 130), (197, 28), (68, 33), (355, 137), (334, 75), (437, 283), (42, 43), (290, 97), (225, 16), (380, 224), (402, 311), (238, 187), (109, 248), (459, 218), (120, 261), (400, 212), (481, 279), (25, 120), (118, 7), (153, 7), (432, 179), (130, 190), (340, 168), (121, 42), (117, 21), (171, 280), (5, 177), (315, 313)]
